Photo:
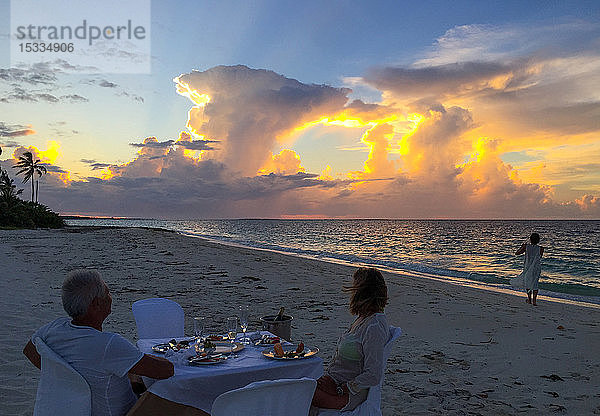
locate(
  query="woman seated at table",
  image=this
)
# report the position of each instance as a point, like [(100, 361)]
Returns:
[(358, 362)]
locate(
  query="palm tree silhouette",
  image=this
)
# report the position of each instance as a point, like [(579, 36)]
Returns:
[(29, 168), (8, 190)]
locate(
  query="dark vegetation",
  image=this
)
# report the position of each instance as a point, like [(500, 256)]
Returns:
[(17, 213)]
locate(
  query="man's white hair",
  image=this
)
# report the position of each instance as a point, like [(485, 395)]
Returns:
[(79, 289)]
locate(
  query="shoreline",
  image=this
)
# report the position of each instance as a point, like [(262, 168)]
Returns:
[(569, 294), (559, 297), (463, 349)]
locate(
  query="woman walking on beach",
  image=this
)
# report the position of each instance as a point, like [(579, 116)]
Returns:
[(358, 362), (532, 267)]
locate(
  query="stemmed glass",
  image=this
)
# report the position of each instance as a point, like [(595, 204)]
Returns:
[(199, 323), (244, 311), (232, 330)]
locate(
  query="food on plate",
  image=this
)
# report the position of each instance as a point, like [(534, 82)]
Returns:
[(179, 345), (212, 360), (289, 352), (209, 344), (293, 354), (215, 338), (204, 358), (278, 350), (267, 339), (298, 352)]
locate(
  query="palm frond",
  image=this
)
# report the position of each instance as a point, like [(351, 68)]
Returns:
[(22, 170)]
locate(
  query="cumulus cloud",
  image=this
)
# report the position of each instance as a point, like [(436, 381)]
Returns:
[(286, 162), (511, 77), (250, 110), (378, 163), (166, 182), (590, 204), (436, 146), (428, 151), (525, 93)]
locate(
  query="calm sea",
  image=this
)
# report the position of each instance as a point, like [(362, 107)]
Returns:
[(474, 250)]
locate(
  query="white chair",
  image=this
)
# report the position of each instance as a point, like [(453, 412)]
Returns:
[(158, 318), (372, 404), (286, 397), (61, 390)]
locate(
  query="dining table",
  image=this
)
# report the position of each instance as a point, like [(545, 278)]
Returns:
[(199, 385)]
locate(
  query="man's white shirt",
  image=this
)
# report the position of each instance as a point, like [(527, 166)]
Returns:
[(102, 358)]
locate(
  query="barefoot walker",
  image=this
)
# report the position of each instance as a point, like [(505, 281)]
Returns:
[(532, 267)]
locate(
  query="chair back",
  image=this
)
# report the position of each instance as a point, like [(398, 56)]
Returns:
[(61, 390), (286, 397), (372, 404), (373, 400), (158, 318)]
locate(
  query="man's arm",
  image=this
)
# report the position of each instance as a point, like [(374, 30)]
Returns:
[(32, 355), (153, 367)]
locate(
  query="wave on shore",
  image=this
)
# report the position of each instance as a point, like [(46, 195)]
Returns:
[(493, 272)]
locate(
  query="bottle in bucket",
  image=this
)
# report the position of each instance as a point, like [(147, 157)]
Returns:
[(279, 325)]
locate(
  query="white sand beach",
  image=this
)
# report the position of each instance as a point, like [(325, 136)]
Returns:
[(464, 351)]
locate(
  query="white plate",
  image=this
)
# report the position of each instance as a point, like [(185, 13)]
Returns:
[(164, 347), (224, 348), (308, 352)]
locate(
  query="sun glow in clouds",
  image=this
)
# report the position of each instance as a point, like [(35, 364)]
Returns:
[(345, 120), (184, 89), (200, 101), (47, 157), (51, 153)]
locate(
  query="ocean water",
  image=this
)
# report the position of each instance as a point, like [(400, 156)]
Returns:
[(470, 250)]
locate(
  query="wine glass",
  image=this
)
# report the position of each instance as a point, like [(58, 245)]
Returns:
[(232, 330), (199, 323), (244, 311)]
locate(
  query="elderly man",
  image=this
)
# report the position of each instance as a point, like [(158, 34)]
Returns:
[(104, 359)]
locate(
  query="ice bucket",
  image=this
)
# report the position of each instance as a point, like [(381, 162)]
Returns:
[(283, 328)]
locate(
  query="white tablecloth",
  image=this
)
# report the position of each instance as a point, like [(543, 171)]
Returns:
[(199, 386)]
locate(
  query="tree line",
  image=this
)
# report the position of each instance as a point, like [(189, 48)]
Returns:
[(17, 213)]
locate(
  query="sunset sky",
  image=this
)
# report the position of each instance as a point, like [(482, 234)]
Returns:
[(312, 109)]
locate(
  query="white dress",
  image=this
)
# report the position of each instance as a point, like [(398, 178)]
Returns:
[(532, 267)]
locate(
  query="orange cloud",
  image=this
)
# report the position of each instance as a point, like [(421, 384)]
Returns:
[(589, 204), (55, 174), (378, 139), (249, 110), (286, 162), (326, 174)]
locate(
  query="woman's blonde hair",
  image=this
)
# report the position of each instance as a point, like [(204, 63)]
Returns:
[(368, 293)]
